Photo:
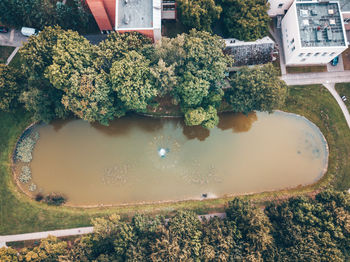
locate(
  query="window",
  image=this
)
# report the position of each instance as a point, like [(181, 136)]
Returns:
[(325, 53), (292, 41), (302, 60), (301, 54), (316, 54), (332, 54), (280, 5), (308, 54), (293, 48), (168, 7)]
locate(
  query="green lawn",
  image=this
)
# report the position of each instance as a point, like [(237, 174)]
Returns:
[(305, 69), (16, 61), (343, 89), (5, 52), (19, 214)]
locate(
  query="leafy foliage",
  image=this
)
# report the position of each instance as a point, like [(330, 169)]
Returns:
[(40, 13), (11, 86), (54, 199), (258, 88), (132, 81), (245, 20), (198, 14)]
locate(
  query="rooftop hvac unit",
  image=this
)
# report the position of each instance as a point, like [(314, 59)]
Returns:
[(332, 21), (304, 13), (330, 11), (329, 34), (305, 22)]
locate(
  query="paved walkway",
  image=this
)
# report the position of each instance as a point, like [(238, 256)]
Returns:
[(344, 109), (71, 232), (9, 59), (317, 78), (40, 235), (16, 39), (278, 39)]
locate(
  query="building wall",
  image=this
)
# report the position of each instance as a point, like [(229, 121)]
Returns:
[(279, 7), (294, 53)]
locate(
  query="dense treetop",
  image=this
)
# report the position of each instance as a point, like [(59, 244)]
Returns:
[(41, 13)]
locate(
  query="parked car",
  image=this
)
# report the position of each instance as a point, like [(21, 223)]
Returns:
[(3, 29), (27, 31), (335, 61)]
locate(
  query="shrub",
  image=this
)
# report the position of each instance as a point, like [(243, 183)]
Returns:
[(55, 199), (26, 174), (39, 197)]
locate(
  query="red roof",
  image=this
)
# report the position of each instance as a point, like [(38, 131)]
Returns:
[(98, 10)]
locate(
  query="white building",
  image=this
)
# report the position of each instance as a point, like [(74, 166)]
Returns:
[(279, 7), (313, 32)]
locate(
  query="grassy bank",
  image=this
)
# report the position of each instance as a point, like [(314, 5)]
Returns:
[(305, 69), (5, 52), (18, 214), (343, 89)]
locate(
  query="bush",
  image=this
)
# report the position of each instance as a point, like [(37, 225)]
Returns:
[(55, 199), (25, 175), (39, 197)]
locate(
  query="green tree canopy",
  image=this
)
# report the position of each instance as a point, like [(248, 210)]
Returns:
[(132, 81), (41, 13), (257, 88), (117, 45), (11, 85), (199, 14), (245, 20)]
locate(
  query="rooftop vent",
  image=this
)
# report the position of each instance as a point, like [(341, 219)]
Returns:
[(304, 13), (126, 20)]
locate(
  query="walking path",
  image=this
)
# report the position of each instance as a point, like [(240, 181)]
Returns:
[(9, 59), (317, 78), (71, 232), (331, 89)]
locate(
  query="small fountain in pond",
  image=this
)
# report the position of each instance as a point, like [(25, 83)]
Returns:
[(162, 152)]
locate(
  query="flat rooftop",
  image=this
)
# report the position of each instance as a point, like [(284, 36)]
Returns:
[(134, 14), (320, 24), (344, 5)]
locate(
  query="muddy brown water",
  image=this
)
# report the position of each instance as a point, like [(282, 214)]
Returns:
[(93, 164)]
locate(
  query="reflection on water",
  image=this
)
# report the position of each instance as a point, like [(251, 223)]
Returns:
[(238, 122), (93, 164)]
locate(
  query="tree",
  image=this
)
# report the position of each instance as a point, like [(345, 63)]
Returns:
[(132, 81), (9, 255), (50, 249), (41, 97), (246, 20), (207, 118), (117, 45), (11, 85), (254, 227), (187, 229), (41, 13), (199, 14), (257, 88), (89, 97)]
